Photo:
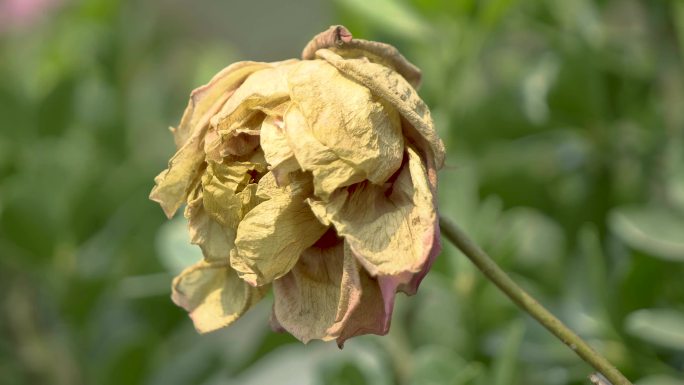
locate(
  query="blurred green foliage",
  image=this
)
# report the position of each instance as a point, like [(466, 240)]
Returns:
[(564, 123)]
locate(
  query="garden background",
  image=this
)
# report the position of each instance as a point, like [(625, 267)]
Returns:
[(564, 125)]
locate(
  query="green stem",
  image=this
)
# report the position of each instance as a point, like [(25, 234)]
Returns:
[(495, 274)]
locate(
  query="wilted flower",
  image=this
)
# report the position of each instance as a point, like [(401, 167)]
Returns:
[(316, 177)]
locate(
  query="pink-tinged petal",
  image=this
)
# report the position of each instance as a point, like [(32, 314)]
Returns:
[(372, 315), (316, 298)]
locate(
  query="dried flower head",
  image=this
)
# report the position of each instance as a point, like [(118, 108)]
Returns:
[(316, 177)]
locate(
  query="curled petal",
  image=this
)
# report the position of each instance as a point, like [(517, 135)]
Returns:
[(348, 126), (215, 240), (172, 185), (272, 236), (390, 231), (337, 38), (263, 89), (228, 192), (277, 150), (213, 295), (316, 298), (239, 141), (203, 98), (373, 313), (392, 87)]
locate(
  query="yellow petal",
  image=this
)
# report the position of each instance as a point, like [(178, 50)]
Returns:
[(214, 240), (392, 87), (218, 203), (390, 231), (272, 236), (266, 88), (213, 295), (277, 151), (173, 185), (315, 299), (348, 127), (239, 141), (202, 98), (229, 192)]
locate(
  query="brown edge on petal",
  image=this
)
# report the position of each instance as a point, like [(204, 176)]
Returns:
[(339, 37), (335, 36)]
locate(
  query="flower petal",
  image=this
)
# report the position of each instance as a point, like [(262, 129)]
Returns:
[(202, 98), (337, 38), (173, 185), (213, 295), (315, 299), (272, 236), (277, 149), (351, 128), (390, 231), (208, 234), (373, 313), (392, 87), (263, 89), (228, 192)]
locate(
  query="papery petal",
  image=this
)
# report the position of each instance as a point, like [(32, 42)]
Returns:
[(173, 185), (348, 126), (266, 88), (229, 192), (213, 295), (239, 141), (277, 149), (208, 234), (315, 299), (337, 38), (373, 313), (272, 236), (202, 98), (392, 87), (329, 171), (391, 232)]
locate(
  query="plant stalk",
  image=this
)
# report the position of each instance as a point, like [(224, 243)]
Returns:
[(527, 303)]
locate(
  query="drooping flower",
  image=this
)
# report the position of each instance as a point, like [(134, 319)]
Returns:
[(315, 177)]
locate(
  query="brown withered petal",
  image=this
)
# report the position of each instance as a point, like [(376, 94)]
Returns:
[(391, 232), (317, 177), (316, 298)]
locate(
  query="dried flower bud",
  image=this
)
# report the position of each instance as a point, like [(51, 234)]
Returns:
[(314, 176)]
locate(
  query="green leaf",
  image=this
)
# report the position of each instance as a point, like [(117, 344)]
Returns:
[(662, 327), (656, 231)]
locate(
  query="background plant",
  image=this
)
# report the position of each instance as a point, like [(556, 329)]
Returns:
[(565, 130)]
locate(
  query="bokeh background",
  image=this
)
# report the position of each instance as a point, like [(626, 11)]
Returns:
[(564, 123)]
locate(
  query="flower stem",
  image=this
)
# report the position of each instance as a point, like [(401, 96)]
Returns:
[(526, 302)]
